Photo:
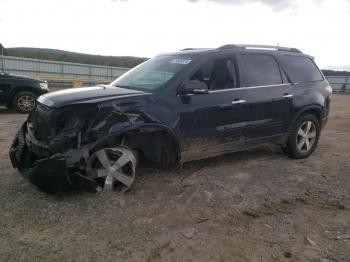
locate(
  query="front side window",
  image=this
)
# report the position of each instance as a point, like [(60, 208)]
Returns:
[(217, 74), (153, 73), (259, 70)]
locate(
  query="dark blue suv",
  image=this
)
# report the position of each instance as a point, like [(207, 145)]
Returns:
[(174, 108)]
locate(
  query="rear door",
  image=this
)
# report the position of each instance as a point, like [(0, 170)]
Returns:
[(267, 96)]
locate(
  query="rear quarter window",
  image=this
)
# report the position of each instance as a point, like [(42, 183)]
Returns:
[(302, 69)]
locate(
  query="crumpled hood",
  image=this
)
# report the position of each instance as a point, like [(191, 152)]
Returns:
[(86, 95)]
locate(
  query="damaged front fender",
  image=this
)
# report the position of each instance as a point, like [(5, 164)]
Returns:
[(52, 148)]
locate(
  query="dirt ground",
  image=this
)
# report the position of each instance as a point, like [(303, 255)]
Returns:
[(256, 205)]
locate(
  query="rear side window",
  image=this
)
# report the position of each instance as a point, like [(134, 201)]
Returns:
[(302, 69), (259, 70)]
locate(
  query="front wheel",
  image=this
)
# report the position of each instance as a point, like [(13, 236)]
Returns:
[(112, 168), (304, 137), (24, 102)]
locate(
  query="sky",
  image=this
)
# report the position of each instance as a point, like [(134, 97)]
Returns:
[(145, 28)]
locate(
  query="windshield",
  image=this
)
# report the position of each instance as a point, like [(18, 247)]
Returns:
[(153, 73)]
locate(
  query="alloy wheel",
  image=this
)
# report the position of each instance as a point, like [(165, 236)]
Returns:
[(306, 136), (112, 168), (26, 103)]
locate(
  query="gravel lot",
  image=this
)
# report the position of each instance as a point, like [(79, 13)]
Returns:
[(256, 205)]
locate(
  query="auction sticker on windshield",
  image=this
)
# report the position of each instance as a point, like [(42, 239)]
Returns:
[(180, 61)]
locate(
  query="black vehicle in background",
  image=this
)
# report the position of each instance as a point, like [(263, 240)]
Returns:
[(171, 109), (21, 92)]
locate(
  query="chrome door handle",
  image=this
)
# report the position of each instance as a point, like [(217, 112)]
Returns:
[(238, 102), (287, 95)]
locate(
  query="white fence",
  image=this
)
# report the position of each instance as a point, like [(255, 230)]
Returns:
[(60, 71), (339, 83)]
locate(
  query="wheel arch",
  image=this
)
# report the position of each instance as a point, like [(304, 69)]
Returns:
[(315, 110), (157, 142), (24, 88)]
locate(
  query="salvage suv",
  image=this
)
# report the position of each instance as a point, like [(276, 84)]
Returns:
[(174, 108), (20, 92)]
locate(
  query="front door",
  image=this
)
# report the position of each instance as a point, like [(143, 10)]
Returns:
[(212, 123)]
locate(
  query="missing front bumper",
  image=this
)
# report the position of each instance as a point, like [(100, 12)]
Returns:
[(49, 174)]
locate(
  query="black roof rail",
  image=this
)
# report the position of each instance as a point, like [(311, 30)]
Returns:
[(266, 47)]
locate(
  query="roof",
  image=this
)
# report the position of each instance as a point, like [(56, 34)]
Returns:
[(232, 47)]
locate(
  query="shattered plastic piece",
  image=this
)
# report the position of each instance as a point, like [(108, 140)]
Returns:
[(189, 233), (342, 237), (311, 242)]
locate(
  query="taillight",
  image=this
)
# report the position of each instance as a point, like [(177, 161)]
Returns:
[(329, 90)]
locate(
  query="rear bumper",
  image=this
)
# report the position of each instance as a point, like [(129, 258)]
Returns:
[(49, 174)]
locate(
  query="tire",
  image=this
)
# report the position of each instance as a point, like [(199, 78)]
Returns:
[(24, 102), (304, 137)]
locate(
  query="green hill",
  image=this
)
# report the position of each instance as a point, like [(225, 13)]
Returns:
[(327, 72)]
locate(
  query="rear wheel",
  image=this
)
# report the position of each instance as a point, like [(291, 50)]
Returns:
[(112, 168), (24, 102), (303, 140)]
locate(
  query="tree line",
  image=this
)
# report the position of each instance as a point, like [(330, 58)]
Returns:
[(73, 57)]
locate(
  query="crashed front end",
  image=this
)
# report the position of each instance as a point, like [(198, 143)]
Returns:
[(48, 174), (52, 147)]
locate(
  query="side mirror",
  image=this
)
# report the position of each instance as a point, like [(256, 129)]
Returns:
[(194, 87)]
